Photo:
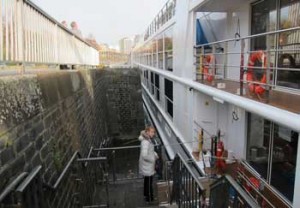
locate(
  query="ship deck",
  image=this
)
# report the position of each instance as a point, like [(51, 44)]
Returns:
[(279, 99)]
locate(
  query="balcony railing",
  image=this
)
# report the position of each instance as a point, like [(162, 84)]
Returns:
[(29, 35), (164, 15), (264, 66)]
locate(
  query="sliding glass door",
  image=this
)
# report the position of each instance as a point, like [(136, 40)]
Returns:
[(272, 152)]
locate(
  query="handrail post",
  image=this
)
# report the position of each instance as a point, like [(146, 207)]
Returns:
[(268, 72), (242, 68), (214, 66), (225, 60), (201, 62), (114, 165)]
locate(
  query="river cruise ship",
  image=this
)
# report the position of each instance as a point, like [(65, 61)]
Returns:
[(222, 78)]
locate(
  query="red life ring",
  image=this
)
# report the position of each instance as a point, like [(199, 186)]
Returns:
[(254, 181), (251, 77), (208, 61)]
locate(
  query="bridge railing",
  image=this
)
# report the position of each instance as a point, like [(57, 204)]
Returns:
[(29, 35)]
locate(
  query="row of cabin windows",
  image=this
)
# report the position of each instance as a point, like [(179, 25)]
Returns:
[(152, 81), (157, 52)]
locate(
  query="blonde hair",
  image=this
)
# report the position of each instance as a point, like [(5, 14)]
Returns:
[(148, 128)]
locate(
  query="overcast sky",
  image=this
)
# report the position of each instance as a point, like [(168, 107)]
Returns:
[(107, 20)]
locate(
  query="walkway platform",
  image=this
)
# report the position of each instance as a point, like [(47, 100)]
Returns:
[(128, 194)]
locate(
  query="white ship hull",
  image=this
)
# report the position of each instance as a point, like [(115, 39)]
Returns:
[(197, 105)]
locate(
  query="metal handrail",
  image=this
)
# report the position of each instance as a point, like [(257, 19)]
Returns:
[(117, 148), (29, 178), (272, 70), (191, 172), (29, 2), (249, 36), (12, 186), (256, 174), (63, 173), (236, 186), (187, 188), (91, 159), (30, 35), (159, 21)]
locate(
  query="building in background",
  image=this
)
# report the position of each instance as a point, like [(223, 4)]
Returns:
[(111, 56), (125, 45), (137, 39)]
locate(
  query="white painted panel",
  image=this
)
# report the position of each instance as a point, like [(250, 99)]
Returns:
[(205, 116), (236, 132)]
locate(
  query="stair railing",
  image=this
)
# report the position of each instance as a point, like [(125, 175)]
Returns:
[(187, 189)]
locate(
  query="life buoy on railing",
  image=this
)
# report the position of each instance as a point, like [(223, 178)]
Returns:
[(208, 67), (255, 74)]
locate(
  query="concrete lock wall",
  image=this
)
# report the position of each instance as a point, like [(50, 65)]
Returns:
[(45, 118)]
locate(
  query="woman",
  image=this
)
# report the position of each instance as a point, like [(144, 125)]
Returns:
[(147, 161)]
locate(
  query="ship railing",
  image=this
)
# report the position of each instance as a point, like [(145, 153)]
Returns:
[(258, 189), (25, 190), (187, 190), (29, 36), (164, 15), (123, 162), (228, 60), (226, 192)]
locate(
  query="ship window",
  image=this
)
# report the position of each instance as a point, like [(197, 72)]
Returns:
[(154, 50), (169, 97), (148, 80), (263, 20), (152, 82), (289, 45), (160, 60), (146, 77), (258, 144), (286, 55), (157, 92), (168, 41), (160, 43), (272, 152)]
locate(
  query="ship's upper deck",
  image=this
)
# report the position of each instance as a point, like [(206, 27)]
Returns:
[(259, 65)]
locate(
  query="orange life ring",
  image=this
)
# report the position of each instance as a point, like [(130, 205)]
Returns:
[(251, 77), (254, 181), (208, 60)]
